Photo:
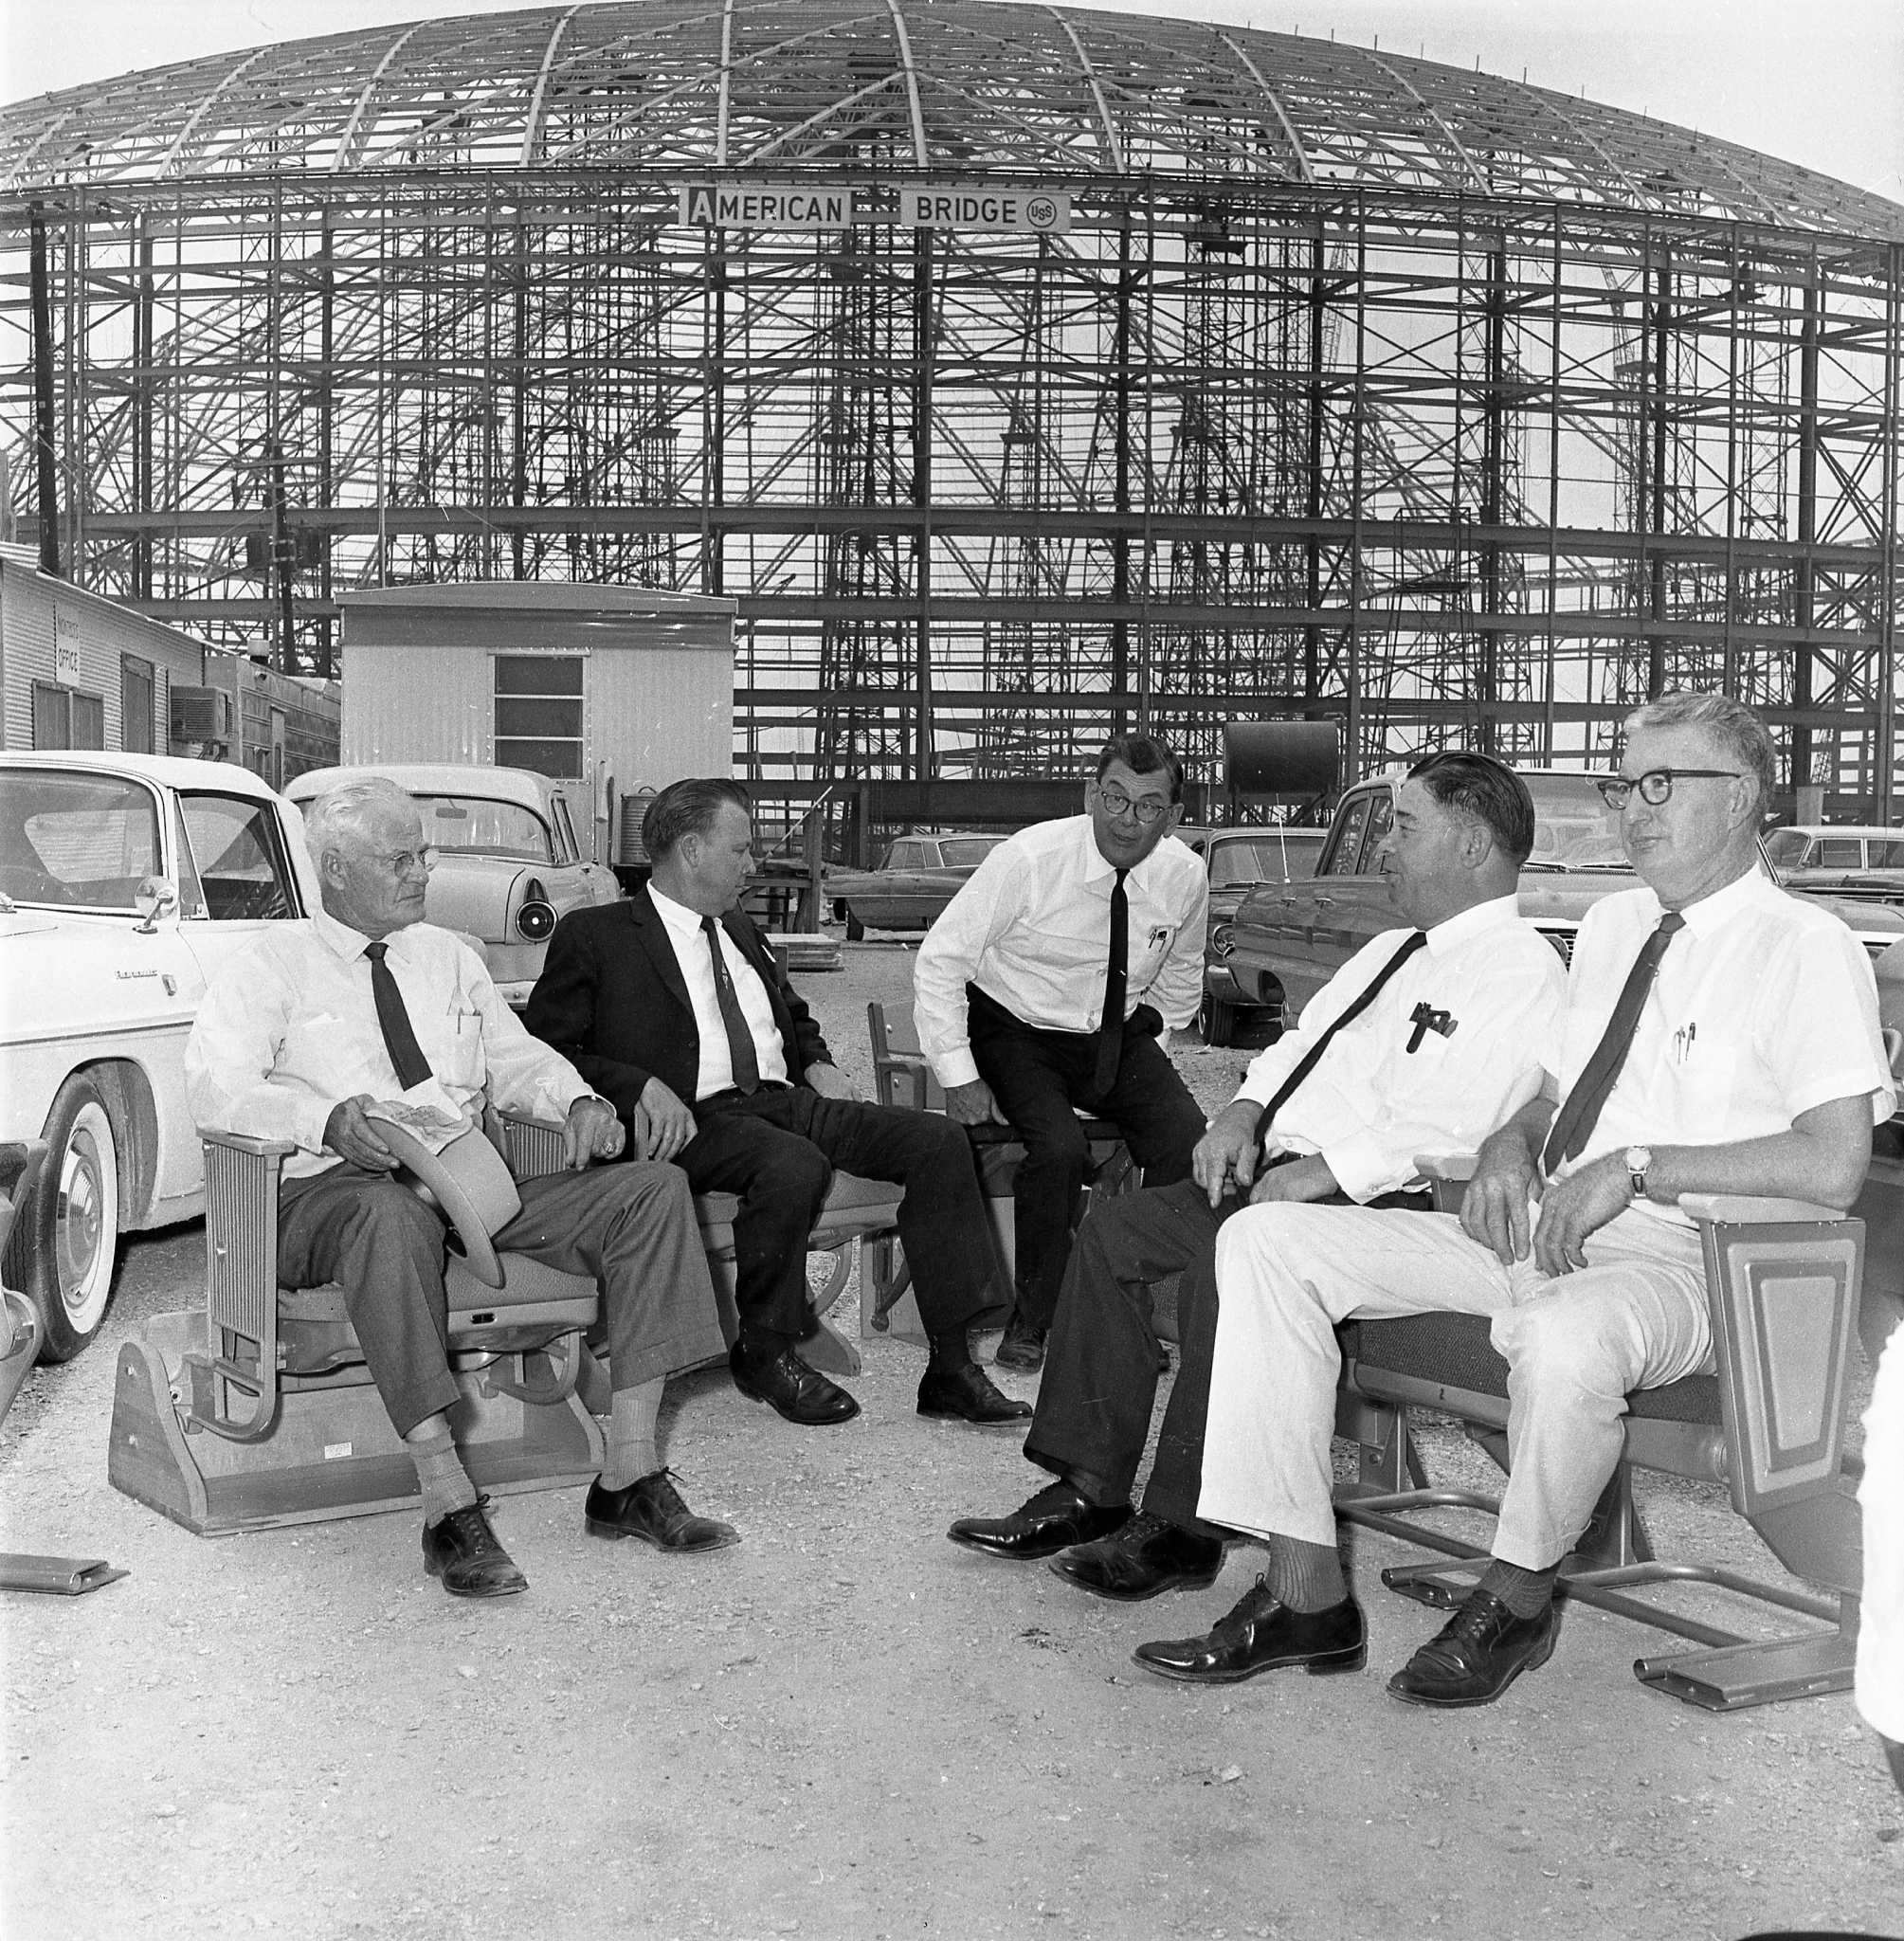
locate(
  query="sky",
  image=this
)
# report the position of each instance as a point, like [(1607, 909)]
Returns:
[(1815, 81)]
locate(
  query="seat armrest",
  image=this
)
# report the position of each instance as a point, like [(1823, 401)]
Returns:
[(903, 1079), (1753, 1209), (1455, 1166), (243, 1142)]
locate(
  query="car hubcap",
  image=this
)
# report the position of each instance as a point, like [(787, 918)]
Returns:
[(83, 1237)]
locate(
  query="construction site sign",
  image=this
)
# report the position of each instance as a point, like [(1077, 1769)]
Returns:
[(1011, 211), (764, 206)]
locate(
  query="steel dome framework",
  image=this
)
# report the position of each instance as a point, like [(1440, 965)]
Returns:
[(1356, 384)]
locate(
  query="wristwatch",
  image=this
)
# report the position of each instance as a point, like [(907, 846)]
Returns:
[(1638, 1160)]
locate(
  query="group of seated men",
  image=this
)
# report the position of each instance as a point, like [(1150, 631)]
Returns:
[(1713, 1035)]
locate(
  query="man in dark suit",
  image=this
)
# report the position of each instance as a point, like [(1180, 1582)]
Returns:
[(672, 1008)]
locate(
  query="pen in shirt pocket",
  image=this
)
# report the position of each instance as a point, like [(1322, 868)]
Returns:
[(1683, 1042)]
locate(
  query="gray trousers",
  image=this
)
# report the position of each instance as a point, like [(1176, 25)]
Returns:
[(629, 1228)]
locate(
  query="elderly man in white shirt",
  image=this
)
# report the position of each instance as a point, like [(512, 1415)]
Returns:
[(314, 1023), (1425, 1041), (1718, 1036), (1048, 983)]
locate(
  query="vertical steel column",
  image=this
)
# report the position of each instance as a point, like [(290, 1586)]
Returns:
[(139, 251), (1494, 459), (325, 662), (519, 394), (1889, 485), (1805, 590), (924, 336), (1312, 634), (46, 477), (1120, 543), (1656, 524)]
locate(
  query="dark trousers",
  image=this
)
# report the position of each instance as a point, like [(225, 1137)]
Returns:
[(1037, 1077), (777, 1148), (631, 1229), (1101, 1367)]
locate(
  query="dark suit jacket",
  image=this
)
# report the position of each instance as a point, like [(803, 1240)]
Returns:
[(612, 1001)]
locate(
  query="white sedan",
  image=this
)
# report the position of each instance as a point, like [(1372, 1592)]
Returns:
[(126, 880)]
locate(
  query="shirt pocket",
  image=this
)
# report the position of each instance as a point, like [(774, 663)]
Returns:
[(456, 1055), (1705, 1077)]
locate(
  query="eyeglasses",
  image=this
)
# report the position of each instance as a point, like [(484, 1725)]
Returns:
[(1655, 785), (402, 861), (1146, 808)]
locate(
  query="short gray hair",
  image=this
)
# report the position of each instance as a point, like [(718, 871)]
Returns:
[(1729, 723), (349, 809)]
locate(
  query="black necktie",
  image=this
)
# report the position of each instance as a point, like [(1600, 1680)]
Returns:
[(1580, 1111), (1116, 973), (1306, 1064), (412, 1068), (739, 1038)]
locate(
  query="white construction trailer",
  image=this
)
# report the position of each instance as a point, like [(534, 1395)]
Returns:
[(619, 689)]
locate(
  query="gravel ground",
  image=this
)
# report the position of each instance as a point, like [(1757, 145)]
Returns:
[(844, 1725)]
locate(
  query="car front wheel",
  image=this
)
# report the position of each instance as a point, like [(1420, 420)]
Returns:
[(1216, 1020), (72, 1229)]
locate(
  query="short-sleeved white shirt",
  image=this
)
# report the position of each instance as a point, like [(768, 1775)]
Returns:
[(1763, 1007)]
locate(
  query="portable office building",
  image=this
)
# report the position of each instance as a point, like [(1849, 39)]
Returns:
[(621, 689)]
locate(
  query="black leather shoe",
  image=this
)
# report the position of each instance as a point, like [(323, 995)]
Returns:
[(1022, 1345), (969, 1394), (1148, 1556), (463, 1551), (1051, 1521), (800, 1393), (1260, 1635), (1476, 1655), (651, 1509)]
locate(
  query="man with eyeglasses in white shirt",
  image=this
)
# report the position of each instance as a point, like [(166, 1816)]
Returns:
[(1718, 1036), (1048, 985)]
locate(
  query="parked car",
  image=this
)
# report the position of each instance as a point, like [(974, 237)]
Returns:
[(1240, 861), (919, 877), (126, 881), (1844, 859), (507, 860), (1289, 939)]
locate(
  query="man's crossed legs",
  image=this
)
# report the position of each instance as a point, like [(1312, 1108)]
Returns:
[(629, 1228), (1576, 1346)]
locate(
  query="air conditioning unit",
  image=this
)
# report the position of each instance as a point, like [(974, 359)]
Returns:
[(201, 714)]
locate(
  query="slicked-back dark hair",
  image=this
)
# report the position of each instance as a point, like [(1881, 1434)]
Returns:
[(1476, 785), (688, 808), (1143, 754)]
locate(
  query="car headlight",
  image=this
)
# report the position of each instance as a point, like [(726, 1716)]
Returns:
[(536, 919), (1223, 940)]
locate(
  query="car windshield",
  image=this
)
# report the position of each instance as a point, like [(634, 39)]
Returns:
[(1785, 847), (1572, 827), (967, 852), (1266, 857), (476, 825), (76, 841)]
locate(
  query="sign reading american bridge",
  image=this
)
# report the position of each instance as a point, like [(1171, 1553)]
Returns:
[(968, 206)]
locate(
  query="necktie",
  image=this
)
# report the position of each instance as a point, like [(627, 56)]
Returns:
[(412, 1068), (739, 1038), (1306, 1064), (1116, 973), (1580, 1111)]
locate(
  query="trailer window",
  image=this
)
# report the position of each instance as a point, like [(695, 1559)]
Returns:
[(538, 713)]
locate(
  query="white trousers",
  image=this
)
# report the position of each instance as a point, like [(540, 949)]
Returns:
[(1880, 1638), (1634, 1317)]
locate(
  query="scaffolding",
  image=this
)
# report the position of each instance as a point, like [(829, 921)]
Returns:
[(1351, 386)]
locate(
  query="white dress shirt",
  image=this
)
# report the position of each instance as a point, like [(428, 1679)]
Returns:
[(1763, 1007), (1031, 928), (697, 969), (1372, 1104), (288, 1031)]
